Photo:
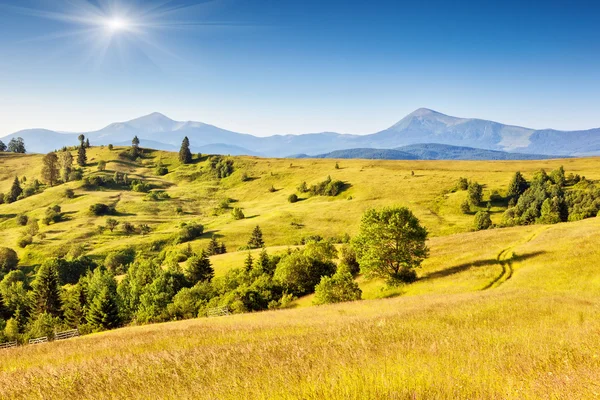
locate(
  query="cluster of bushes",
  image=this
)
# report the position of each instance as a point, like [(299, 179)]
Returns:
[(17, 192), (550, 198), (53, 215), (188, 232), (158, 195), (220, 167), (100, 209), (328, 187)]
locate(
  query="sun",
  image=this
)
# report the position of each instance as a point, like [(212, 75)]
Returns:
[(117, 24)]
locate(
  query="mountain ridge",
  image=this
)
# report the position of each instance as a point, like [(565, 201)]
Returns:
[(423, 125)]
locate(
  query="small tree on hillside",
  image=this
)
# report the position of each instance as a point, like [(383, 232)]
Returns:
[(198, 268), (249, 262), (81, 156), (2, 146), (256, 239), (185, 155), (66, 163), (15, 190), (111, 224), (517, 186), (475, 191), (104, 310), (50, 168), (101, 165), (391, 244), (87, 143), (135, 147), (8, 260), (337, 288), (213, 246), (482, 220)]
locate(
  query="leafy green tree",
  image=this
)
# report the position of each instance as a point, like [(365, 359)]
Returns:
[(198, 268), (482, 220), (189, 232), (391, 244), (2, 146), (475, 193), (337, 288), (14, 291), (300, 271), (66, 164), (74, 301), (185, 155), (104, 310), (81, 139), (517, 186), (8, 260), (144, 229), (50, 168), (256, 239), (101, 165), (463, 184), (465, 207), (237, 213), (46, 290), (293, 198), (117, 261), (111, 224), (17, 146)]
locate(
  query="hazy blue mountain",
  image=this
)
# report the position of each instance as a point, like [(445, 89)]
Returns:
[(427, 151), (421, 126)]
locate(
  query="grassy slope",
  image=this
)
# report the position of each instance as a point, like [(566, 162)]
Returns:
[(534, 336)]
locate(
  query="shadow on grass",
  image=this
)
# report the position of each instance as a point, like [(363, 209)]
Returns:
[(480, 263)]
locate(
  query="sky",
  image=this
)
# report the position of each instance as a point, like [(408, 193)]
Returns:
[(297, 66)]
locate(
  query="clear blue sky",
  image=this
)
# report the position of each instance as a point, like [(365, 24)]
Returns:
[(283, 66)]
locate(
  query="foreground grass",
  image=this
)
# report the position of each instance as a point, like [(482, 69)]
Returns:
[(537, 335)]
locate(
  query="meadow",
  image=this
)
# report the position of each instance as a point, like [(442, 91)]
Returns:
[(500, 313)]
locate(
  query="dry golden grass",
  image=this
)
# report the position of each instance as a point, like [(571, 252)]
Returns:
[(537, 335)]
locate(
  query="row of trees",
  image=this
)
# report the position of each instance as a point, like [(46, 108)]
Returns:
[(16, 145)]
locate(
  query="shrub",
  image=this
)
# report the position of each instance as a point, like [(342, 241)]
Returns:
[(100, 209), (462, 184), (53, 215), (69, 193), (292, 198), (328, 187), (101, 165), (300, 273), (8, 260), (76, 175), (272, 189), (110, 147), (117, 261), (465, 207), (22, 219), (161, 170), (141, 187), (336, 289), (189, 232), (25, 241), (128, 228), (237, 214), (482, 220)]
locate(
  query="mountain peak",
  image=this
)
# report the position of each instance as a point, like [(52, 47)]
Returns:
[(154, 117), (423, 112)]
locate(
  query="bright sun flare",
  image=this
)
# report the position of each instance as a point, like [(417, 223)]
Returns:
[(117, 24)]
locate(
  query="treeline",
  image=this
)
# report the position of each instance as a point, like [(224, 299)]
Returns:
[(547, 198), (16, 145)]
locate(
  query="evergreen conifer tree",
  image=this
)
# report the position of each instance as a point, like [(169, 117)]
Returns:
[(46, 290), (104, 310), (198, 268), (15, 190), (185, 155), (81, 156), (249, 263), (256, 240)]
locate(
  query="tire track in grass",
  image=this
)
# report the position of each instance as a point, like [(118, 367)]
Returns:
[(506, 258)]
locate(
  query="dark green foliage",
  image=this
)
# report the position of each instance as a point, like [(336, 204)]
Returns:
[(189, 232), (22, 219), (46, 289), (249, 262), (81, 156), (73, 303), (198, 268), (237, 213), (87, 143), (128, 228), (328, 187), (104, 311), (161, 170), (185, 155), (302, 188), (475, 193), (14, 292), (15, 191), (53, 215), (110, 147), (292, 198), (336, 289), (24, 241), (117, 261), (220, 166), (140, 186), (215, 248), (518, 185), (100, 209), (300, 271), (70, 271), (8, 260), (391, 244), (2, 146), (111, 224), (482, 220), (16, 146), (462, 184), (50, 168), (256, 239), (69, 193), (348, 260), (465, 207)]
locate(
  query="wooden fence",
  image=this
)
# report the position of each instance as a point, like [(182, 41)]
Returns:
[(66, 334), (8, 345), (218, 311), (38, 340)]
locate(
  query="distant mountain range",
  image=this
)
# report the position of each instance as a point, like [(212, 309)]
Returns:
[(421, 126), (429, 151)]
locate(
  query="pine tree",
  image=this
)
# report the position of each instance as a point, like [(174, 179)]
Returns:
[(249, 263), (87, 143), (213, 246), (73, 300), (81, 156), (104, 310), (517, 186), (135, 147), (198, 268), (50, 168), (256, 240), (15, 190), (222, 249), (46, 290), (185, 155), (263, 262)]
